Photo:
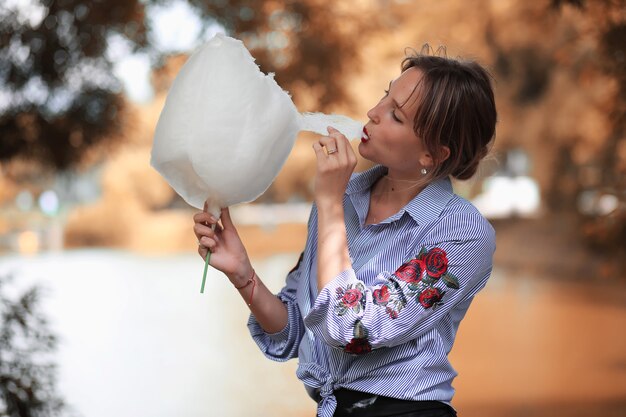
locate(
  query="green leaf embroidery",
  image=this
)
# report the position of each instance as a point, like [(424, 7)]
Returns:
[(341, 310), (414, 286), (422, 253), (451, 281), (427, 280), (360, 332), (399, 304)]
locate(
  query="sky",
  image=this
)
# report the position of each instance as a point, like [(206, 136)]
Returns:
[(175, 27)]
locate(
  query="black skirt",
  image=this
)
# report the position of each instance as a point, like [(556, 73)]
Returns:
[(360, 404)]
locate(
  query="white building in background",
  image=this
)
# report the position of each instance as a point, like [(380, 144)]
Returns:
[(510, 192), (505, 197)]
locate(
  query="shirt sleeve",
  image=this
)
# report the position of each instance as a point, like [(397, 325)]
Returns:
[(453, 263), (283, 345)]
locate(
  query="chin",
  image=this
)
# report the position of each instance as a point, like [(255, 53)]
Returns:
[(363, 151), (360, 149)]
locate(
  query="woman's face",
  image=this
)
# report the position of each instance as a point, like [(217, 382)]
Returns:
[(391, 140)]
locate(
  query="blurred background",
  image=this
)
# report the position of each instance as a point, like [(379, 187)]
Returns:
[(99, 276)]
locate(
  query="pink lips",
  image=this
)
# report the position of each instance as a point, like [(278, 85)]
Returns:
[(365, 137)]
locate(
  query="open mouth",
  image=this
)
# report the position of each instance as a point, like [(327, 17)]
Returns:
[(365, 137)]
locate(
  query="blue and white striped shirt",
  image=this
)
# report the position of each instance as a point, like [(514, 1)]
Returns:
[(386, 325)]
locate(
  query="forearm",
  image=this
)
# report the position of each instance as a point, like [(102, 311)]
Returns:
[(332, 245), (230, 256), (334, 168), (269, 310)]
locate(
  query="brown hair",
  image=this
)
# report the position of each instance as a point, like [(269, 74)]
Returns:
[(456, 109)]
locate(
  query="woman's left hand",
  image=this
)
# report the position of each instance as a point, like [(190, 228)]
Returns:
[(335, 163)]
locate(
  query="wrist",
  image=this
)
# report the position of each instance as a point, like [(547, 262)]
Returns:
[(240, 278), (329, 205), (326, 196), (250, 282)]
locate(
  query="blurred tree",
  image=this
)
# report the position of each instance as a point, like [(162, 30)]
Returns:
[(27, 377), (310, 43), (606, 229), (59, 97), (564, 81)]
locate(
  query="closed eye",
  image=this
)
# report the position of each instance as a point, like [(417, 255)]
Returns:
[(393, 114)]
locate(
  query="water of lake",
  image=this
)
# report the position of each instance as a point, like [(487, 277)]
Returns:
[(138, 339)]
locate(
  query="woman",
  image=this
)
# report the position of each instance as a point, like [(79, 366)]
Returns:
[(393, 257)]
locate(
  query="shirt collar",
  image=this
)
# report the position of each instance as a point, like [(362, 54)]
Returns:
[(423, 208)]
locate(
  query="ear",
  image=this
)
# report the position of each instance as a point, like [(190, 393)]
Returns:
[(426, 160), (445, 153)]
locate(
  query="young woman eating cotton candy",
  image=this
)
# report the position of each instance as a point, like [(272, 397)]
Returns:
[(393, 258)]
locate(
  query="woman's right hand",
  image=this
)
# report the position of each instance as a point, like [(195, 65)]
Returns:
[(227, 251)]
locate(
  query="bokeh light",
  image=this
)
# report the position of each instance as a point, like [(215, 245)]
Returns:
[(49, 203)]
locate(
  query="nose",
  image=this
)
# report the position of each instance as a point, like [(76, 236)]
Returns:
[(372, 114)]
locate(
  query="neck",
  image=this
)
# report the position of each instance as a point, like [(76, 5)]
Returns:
[(403, 176), (390, 193), (398, 188)]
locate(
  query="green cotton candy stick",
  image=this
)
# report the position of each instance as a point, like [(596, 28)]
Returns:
[(206, 266), (206, 262)]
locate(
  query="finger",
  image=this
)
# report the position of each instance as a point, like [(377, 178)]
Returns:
[(204, 218), (319, 151), (330, 143), (227, 221), (332, 130), (344, 147), (202, 251), (340, 138), (344, 152), (201, 230), (208, 243)]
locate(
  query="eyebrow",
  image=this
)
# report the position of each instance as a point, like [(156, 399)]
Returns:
[(399, 107)]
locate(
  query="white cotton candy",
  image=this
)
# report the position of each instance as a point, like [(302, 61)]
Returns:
[(318, 122), (226, 128)]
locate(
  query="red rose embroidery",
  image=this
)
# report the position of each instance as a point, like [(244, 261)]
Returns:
[(393, 314), (358, 346), (381, 296), (411, 271), (430, 296), (351, 297), (436, 262)]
